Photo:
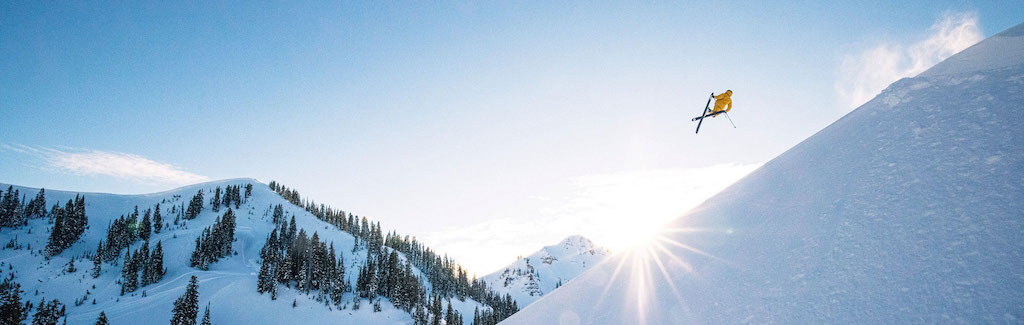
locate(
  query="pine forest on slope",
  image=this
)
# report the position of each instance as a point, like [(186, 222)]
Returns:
[(258, 253)]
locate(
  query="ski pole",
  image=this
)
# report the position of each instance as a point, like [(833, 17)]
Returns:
[(730, 120)]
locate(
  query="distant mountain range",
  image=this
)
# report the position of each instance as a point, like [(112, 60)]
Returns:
[(529, 278)]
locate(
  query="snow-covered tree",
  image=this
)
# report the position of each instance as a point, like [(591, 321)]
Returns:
[(215, 242), (145, 226), (215, 201), (102, 320), (129, 274), (48, 313), (206, 315), (267, 279), (158, 222), (11, 309), (68, 226), (154, 269), (186, 307), (195, 206), (97, 260)]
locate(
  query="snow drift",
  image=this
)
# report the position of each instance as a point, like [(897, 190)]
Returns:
[(907, 210)]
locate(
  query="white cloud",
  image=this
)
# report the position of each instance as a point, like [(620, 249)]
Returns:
[(115, 164), (615, 210), (864, 75)]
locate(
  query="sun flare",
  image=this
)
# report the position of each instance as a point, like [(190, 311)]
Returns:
[(655, 257)]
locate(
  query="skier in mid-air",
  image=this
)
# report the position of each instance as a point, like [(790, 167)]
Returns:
[(721, 101)]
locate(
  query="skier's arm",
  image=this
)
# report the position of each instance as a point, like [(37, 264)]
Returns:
[(729, 107)]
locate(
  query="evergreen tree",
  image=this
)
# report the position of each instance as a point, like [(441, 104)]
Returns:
[(215, 202), (215, 242), (146, 265), (449, 314), (121, 233), (195, 206), (3, 207), (145, 226), (435, 311), (130, 278), (198, 260), (48, 313), (37, 207), (69, 224), (155, 268), (291, 232), (338, 283), (102, 320), (11, 309), (71, 266), (314, 263), (237, 196), (11, 211), (57, 236), (206, 315), (187, 306), (267, 279), (133, 226), (158, 222), (81, 221), (278, 214), (420, 316), (97, 260)]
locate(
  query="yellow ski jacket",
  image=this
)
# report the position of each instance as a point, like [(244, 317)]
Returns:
[(723, 100)]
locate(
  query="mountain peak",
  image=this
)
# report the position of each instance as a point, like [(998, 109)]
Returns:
[(530, 277), (576, 241)]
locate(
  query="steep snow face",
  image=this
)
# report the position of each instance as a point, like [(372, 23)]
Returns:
[(229, 285), (907, 210), (529, 278)]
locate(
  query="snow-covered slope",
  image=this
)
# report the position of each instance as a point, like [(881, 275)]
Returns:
[(909, 209), (529, 278), (229, 284)]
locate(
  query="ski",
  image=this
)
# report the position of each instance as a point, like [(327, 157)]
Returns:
[(701, 119), (708, 115)]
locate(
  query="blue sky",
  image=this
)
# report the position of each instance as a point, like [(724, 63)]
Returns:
[(505, 118)]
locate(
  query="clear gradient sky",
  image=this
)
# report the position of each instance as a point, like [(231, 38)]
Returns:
[(487, 129)]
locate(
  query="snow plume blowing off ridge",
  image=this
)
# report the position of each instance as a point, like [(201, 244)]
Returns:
[(862, 76)]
